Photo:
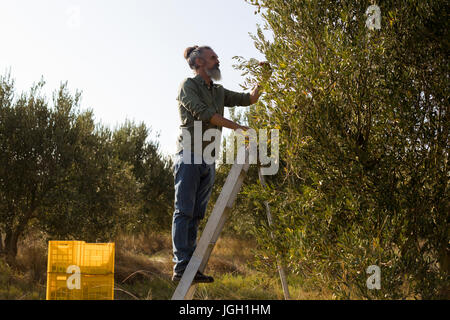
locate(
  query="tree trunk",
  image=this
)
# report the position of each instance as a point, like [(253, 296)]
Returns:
[(444, 259), (13, 234), (11, 240), (1, 242), (444, 264)]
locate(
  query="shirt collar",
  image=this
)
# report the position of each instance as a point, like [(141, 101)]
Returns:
[(202, 81)]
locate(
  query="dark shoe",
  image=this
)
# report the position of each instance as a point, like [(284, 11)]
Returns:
[(199, 278)]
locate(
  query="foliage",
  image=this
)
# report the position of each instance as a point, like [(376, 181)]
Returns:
[(363, 119), (71, 177), (153, 173)]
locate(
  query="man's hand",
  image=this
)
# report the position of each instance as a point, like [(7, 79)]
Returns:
[(265, 64), (266, 70), (254, 96), (246, 135)]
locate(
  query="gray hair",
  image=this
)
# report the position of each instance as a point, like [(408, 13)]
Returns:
[(192, 53)]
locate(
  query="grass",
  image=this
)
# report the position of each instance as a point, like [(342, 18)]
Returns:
[(27, 279), (143, 270)]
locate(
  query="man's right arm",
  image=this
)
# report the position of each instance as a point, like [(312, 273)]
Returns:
[(220, 121)]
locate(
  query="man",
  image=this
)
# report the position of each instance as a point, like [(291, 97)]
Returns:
[(199, 99)]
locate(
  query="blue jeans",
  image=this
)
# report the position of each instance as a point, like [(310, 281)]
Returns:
[(193, 186)]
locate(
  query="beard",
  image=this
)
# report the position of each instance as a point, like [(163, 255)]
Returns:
[(214, 73)]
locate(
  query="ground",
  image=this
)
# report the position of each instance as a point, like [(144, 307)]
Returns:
[(143, 270)]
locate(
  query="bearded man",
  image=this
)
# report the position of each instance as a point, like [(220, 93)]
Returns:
[(199, 99)]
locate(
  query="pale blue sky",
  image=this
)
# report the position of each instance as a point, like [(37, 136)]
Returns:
[(126, 56)]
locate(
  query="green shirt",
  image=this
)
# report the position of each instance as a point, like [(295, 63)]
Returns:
[(199, 102)]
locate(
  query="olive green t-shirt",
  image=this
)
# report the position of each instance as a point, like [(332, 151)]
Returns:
[(199, 102)]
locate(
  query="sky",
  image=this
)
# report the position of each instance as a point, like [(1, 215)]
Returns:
[(125, 56)]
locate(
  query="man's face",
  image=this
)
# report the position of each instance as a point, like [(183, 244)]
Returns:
[(211, 64)]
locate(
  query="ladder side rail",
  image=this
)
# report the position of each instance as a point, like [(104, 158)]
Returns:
[(280, 268)]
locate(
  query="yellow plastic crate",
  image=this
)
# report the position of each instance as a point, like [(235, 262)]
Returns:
[(92, 287), (91, 258), (97, 258)]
